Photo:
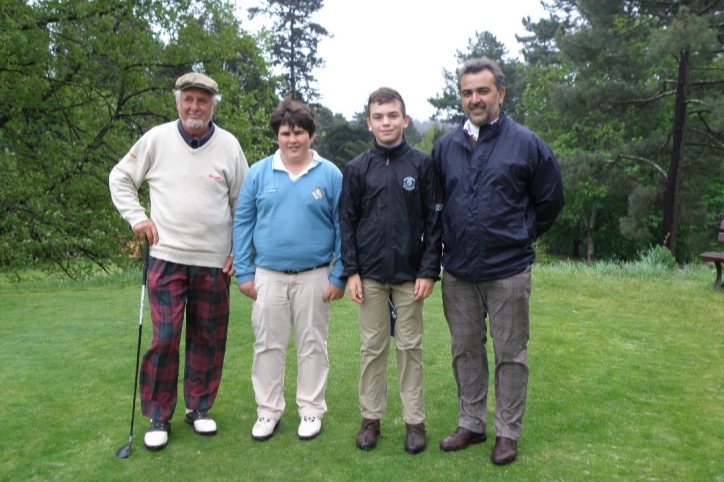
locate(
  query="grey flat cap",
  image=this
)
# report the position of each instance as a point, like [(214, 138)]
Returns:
[(200, 81)]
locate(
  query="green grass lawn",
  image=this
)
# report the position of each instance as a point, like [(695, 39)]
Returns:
[(626, 383)]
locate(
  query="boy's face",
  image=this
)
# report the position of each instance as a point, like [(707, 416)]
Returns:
[(387, 123), (294, 142)]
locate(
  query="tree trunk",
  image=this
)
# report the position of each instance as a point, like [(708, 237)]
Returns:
[(671, 195), (293, 58), (576, 251), (590, 244)]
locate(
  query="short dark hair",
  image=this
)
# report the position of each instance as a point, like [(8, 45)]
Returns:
[(473, 66), (384, 95), (294, 114)]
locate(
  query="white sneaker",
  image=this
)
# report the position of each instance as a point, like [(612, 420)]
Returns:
[(202, 422), (309, 428), (264, 428), (156, 437)]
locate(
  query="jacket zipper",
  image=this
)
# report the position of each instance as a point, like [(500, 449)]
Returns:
[(388, 227)]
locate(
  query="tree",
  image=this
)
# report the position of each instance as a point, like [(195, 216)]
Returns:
[(295, 38), (413, 136), (80, 82), (447, 104), (337, 139), (642, 85), (430, 137), (340, 140)]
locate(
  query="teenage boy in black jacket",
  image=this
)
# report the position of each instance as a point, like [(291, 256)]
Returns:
[(391, 246)]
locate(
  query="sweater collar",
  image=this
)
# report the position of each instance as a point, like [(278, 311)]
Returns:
[(196, 142), (278, 165)]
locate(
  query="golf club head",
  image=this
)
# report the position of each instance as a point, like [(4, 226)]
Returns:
[(124, 452)]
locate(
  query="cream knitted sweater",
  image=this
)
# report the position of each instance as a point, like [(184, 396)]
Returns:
[(193, 193)]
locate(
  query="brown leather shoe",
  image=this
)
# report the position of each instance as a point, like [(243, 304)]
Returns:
[(367, 436), (415, 441), (505, 451), (461, 438)]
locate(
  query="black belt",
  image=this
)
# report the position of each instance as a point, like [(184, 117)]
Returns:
[(297, 271)]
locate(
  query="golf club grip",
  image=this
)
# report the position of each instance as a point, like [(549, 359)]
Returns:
[(145, 261)]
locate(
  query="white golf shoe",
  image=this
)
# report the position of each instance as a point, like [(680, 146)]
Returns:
[(309, 428), (202, 422), (156, 437), (264, 428)]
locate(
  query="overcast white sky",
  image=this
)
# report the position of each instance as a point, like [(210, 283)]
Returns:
[(403, 44)]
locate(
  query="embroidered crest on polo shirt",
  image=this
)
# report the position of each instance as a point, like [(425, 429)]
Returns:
[(317, 193), (408, 184)]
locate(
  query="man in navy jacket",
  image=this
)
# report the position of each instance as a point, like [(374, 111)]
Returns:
[(502, 190)]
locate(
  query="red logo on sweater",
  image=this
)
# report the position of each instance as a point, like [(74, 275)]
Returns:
[(215, 177)]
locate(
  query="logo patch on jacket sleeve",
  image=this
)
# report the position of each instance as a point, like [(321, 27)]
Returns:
[(408, 184), (317, 193)]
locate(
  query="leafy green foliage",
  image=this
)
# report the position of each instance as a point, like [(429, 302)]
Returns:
[(658, 257), (430, 137), (602, 91), (339, 140), (485, 44), (80, 82), (295, 38)]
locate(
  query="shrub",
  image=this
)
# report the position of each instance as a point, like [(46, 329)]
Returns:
[(659, 257)]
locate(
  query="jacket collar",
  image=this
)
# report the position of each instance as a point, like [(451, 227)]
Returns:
[(487, 131), (392, 152)]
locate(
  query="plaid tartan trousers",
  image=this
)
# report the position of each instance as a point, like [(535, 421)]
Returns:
[(203, 294)]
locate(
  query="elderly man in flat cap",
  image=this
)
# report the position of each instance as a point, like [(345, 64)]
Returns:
[(194, 170)]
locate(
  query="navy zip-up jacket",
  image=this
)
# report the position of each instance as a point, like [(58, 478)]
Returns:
[(390, 215), (498, 198)]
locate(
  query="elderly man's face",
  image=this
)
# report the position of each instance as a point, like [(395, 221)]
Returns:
[(195, 107)]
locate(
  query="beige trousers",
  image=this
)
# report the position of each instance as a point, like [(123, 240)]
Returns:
[(285, 303), (374, 322)]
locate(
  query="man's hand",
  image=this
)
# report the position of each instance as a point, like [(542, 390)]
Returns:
[(247, 289), (423, 288), (333, 292), (146, 230), (228, 268), (354, 287)]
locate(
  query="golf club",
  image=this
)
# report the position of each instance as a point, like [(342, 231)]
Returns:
[(125, 451)]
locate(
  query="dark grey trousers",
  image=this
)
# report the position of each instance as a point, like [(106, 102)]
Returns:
[(505, 302)]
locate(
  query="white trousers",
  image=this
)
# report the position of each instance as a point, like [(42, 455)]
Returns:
[(287, 302)]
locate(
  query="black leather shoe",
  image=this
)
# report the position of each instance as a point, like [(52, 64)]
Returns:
[(415, 441), (461, 438), (366, 438), (505, 451)]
